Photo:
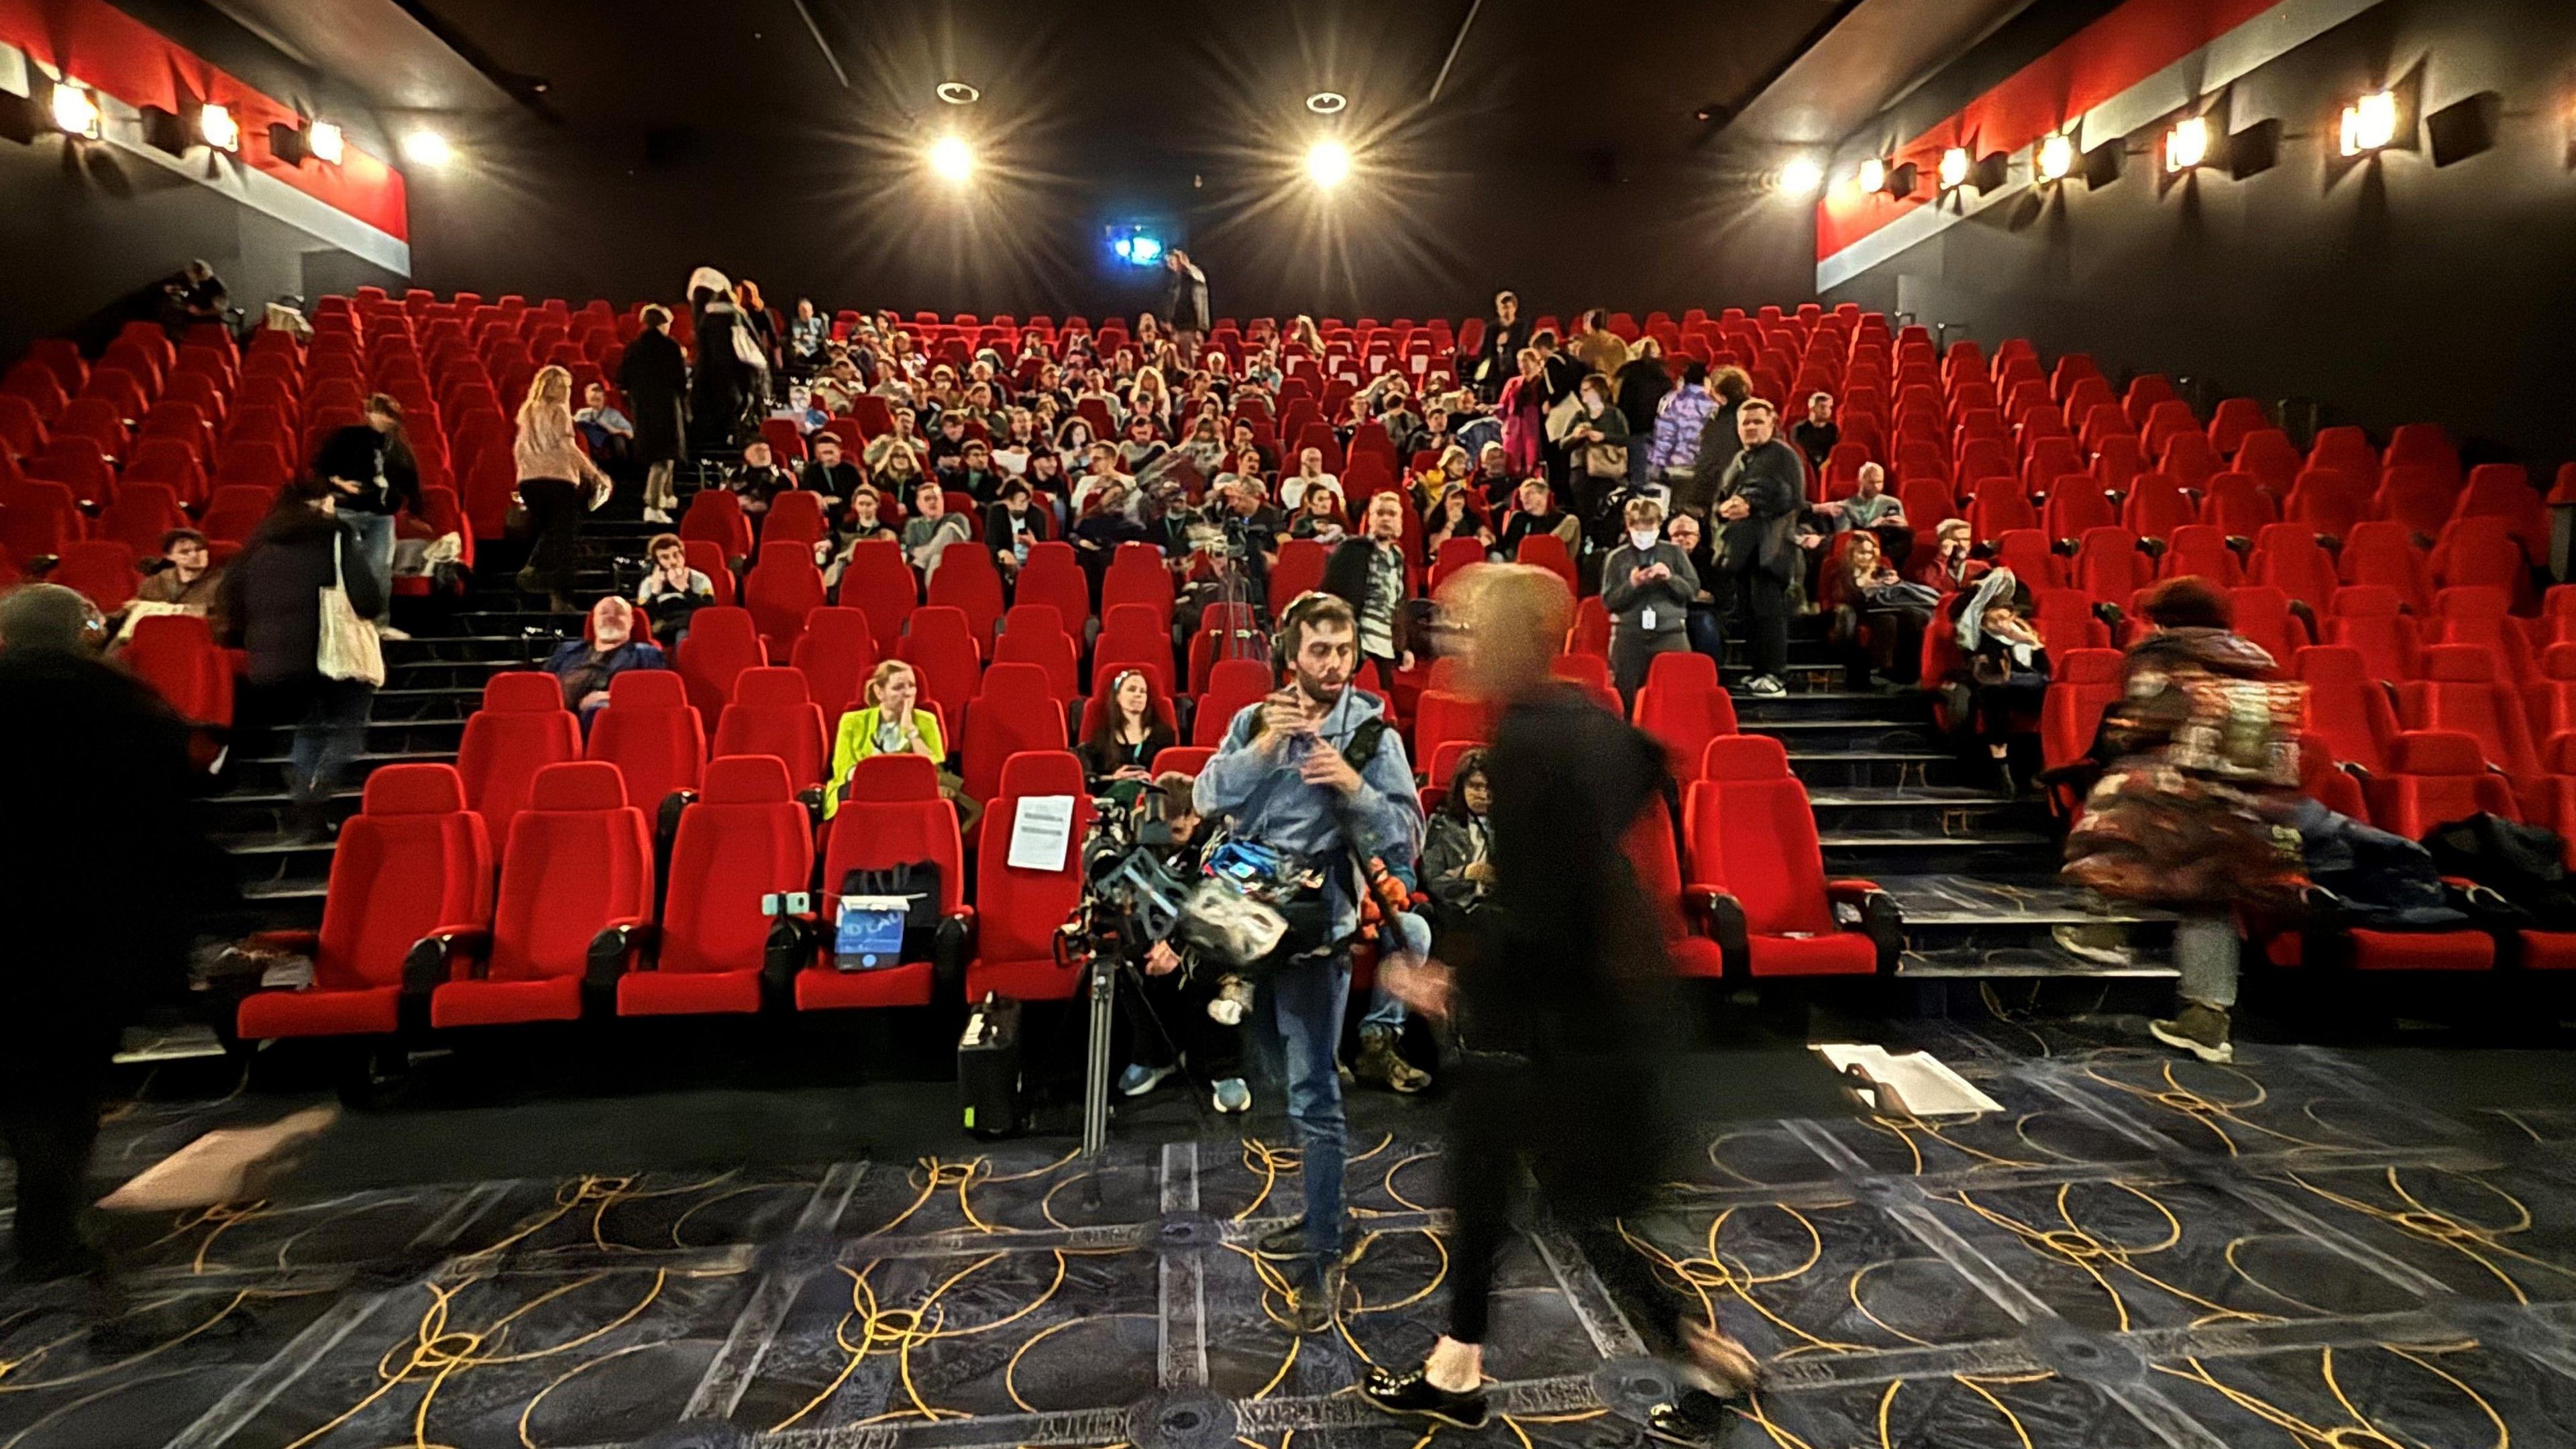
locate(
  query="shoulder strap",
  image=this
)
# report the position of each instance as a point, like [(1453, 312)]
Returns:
[(1365, 741)]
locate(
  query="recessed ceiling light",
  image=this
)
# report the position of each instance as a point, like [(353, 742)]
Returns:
[(958, 93), (1326, 103)]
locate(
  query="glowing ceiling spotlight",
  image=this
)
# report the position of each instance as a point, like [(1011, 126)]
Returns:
[(2370, 123), (951, 159), (1801, 177), (958, 93), (1955, 164), (1872, 176), (1328, 164), (2187, 144), (217, 128), (324, 140), (75, 109), (2056, 157), (1328, 103), (427, 148)]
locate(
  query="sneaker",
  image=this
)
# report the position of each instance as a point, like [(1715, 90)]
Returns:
[(388, 631), (1139, 1079), (1379, 1066), (1766, 685), (656, 515), (1232, 1002), (2102, 943), (1232, 1096), (1318, 1301), (2198, 1029), (1412, 1393)]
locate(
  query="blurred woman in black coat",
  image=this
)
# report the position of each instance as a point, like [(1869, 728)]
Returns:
[(271, 607), (1560, 1022)]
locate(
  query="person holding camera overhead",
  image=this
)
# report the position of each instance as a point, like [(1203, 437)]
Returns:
[(1316, 771)]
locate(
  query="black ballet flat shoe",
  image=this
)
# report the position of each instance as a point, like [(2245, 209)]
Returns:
[(1695, 1420), (1412, 1394)]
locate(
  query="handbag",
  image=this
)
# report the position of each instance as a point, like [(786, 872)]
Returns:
[(1561, 416), (349, 648), (1605, 460), (746, 348)]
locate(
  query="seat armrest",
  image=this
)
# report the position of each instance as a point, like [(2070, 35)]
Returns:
[(304, 942), (790, 949), (433, 959), (666, 821), (954, 947), (812, 798), (1881, 918), (1724, 915), (617, 949)]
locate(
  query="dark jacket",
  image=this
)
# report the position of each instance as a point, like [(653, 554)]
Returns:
[(1772, 481), (1498, 358), (1185, 299), (386, 475), (572, 664), (840, 481), (1450, 843), (1639, 387), (654, 375), (997, 525), (1346, 577), (1627, 600), (272, 594), (722, 380), (108, 873), (1718, 443)]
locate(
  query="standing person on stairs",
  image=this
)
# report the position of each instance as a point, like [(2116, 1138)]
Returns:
[(654, 375), (553, 473)]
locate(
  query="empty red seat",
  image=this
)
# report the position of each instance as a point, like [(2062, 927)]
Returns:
[(576, 892), (781, 589), (2066, 620), (1684, 707), (2237, 506), (2436, 776), (1015, 710), (795, 516), (2346, 450), (2200, 550), (1054, 576), (650, 732), (2460, 692), (177, 655), (881, 585), (1657, 861), (2076, 506), (716, 516), (1138, 575), (1441, 717), (2550, 699), (2424, 445), (968, 582), (141, 514), (2188, 459), (745, 838), (772, 714), (2263, 614), (1032, 635), (2503, 490), (1021, 908), (2381, 553), (2232, 420), (2483, 617), (2348, 710), (836, 653), (2288, 557), (2481, 552), (2369, 620), (2000, 508), (1756, 864), (940, 645), (2083, 683), (2418, 497), (2268, 457), (412, 863), (2109, 566), (522, 728), (720, 645), (1233, 685), (2156, 506), (102, 569)]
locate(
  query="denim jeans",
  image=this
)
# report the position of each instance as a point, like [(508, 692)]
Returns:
[(1386, 1011), (327, 737), (1303, 1005), (1704, 636), (375, 535)]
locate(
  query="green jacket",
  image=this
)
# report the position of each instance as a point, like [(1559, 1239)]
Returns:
[(856, 739)]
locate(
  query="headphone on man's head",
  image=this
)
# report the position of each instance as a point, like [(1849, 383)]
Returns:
[(1292, 623)]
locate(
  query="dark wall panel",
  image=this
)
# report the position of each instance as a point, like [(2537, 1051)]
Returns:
[(2386, 290)]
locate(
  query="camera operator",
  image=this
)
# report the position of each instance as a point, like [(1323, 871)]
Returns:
[(1316, 771)]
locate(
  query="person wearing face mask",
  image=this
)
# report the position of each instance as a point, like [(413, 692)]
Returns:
[(1647, 584), (1599, 443)]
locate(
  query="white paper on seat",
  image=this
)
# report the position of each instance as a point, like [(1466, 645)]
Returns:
[(1042, 833), (1927, 1084)]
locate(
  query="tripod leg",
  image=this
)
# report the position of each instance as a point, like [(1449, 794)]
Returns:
[(1095, 1085)]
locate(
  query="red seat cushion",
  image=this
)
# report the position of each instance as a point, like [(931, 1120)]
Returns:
[(821, 989), (687, 993), (1842, 953), (366, 1011), (2422, 951), (494, 1003), (2549, 950)]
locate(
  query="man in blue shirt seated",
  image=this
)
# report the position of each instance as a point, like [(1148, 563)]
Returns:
[(585, 666), (1315, 770)]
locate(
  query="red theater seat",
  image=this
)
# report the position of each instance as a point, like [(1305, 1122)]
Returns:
[(2369, 619), (880, 584), (2200, 550), (967, 580), (720, 645), (1021, 908), (2086, 682), (873, 833), (652, 734), (1014, 711), (1756, 863), (2460, 692), (576, 891), (836, 654), (780, 591), (2348, 710), (940, 646), (413, 863), (176, 654), (2382, 553), (773, 715), (746, 837), (1651, 852), (521, 729), (2288, 557), (2436, 776)]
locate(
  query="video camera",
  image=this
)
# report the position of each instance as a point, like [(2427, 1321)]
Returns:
[(1141, 886)]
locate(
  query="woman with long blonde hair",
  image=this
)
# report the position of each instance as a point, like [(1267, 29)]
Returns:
[(552, 473), (1559, 1015)]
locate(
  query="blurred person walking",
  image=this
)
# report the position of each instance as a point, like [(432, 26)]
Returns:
[(552, 473)]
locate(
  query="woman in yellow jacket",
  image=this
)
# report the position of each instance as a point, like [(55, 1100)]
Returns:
[(893, 723)]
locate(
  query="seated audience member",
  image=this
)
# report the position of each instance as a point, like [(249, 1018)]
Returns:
[(1873, 508), (1457, 843), (1946, 565), (838, 385), (948, 441), (672, 591), (1451, 471), (1493, 479), (1047, 479), (1074, 443), (1878, 616), (932, 528), (864, 524), (1817, 433), (1246, 464), (1241, 441), (806, 333), (1320, 518), (976, 477), (1017, 443), (1103, 471), (1687, 534), (1647, 584), (1457, 514), (610, 433), (891, 722), (827, 472), (1205, 446), (1537, 513), (1140, 449), (802, 409), (184, 577), (1108, 520), (1011, 525), (1118, 756), (758, 479), (901, 437), (585, 666), (1310, 474), (2007, 673), (900, 475)]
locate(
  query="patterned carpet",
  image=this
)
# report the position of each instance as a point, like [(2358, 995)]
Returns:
[(2136, 1252)]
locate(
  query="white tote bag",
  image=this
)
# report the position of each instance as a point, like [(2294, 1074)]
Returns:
[(349, 648)]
